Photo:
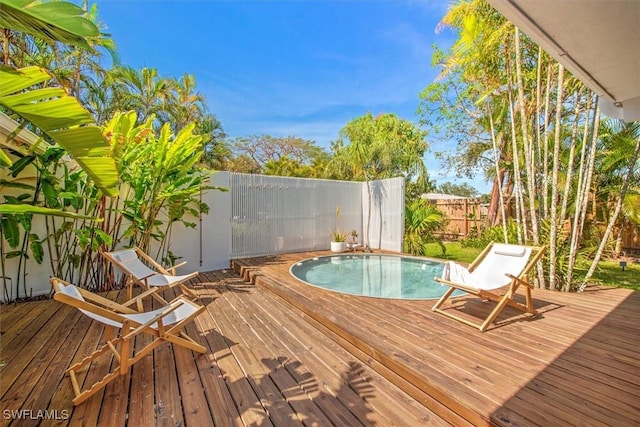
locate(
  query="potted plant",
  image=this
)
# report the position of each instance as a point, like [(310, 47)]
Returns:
[(353, 244), (338, 241), (338, 237)]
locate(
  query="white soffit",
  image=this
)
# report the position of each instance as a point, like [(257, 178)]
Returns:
[(597, 40)]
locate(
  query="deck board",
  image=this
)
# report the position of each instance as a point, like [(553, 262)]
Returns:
[(142, 384), (517, 373), (284, 353)]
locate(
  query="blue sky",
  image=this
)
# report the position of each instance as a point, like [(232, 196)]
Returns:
[(289, 67)]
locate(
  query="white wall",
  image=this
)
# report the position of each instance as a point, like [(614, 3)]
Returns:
[(272, 215), (37, 275), (387, 213), (208, 246)]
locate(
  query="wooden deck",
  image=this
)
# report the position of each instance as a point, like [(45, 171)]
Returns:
[(576, 363), (265, 366), (284, 353)]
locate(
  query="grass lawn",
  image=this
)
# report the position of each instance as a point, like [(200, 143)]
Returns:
[(455, 252), (608, 273)]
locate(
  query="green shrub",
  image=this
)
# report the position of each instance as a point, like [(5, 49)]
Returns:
[(481, 238), (422, 219)]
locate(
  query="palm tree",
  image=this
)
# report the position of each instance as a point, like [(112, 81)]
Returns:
[(620, 140), (505, 100), (98, 97), (421, 220), (49, 109), (376, 148), (143, 91), (185, 105)]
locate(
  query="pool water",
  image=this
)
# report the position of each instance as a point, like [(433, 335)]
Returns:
[(381, 276)]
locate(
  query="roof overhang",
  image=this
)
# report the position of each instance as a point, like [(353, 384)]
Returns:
[(598, 41)]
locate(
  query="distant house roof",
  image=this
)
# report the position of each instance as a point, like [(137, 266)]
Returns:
[(441, 196)]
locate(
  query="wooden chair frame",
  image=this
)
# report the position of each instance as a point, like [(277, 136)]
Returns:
[(502, 299), (120, 344), (143, 281)]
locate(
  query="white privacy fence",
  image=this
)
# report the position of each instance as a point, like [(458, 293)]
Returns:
[(271, 215), (268, 215), (387, 213), (265, 215)]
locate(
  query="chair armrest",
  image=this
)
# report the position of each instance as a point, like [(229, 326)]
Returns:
[(519, 280), (173, 268), (174, 305), (138, 299), (456, 285), (106, 303)]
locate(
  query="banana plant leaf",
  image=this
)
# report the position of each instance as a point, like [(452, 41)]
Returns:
[(52, 21), (63, 118), (10, 209), (5, 160)]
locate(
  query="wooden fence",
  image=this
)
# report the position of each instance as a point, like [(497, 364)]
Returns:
[(631, 239), (464, 215)]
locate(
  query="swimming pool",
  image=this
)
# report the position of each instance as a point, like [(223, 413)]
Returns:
[(380, 276)]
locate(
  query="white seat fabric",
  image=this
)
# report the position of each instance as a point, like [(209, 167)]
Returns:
[(177, 315), (491, 272)]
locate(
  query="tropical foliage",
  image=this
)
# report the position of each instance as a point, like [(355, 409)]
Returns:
[(27, 94), (52, 21), (282, 156), (371, 148), (61, 118), (422, 219), (480, 238), (515, 113), (161, 177), (462, 190), (156, 159), (534, 130), (160, 188)]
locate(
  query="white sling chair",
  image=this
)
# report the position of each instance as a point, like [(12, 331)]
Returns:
[(135, 264), (499, 265), (164, 325)]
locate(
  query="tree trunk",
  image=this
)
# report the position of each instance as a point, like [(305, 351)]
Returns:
[(582, 192), (545, 157), (497, 183), (553, 218), (543, 152), (590, 170), (494, 203), (527, 145), (618, 248), (572, 152), (517, 179)]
